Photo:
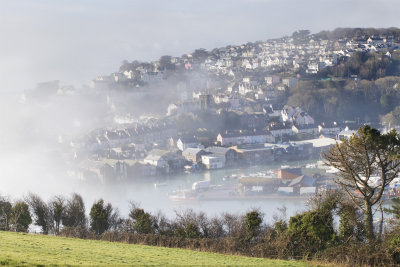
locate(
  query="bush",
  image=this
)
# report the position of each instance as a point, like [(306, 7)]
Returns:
[(103, 217), (143, 224), (253, 221), (311, 231)]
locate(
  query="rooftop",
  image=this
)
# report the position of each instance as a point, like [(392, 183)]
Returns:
[(191, 151)]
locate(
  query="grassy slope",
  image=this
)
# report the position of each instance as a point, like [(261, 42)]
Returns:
[(28, 249)]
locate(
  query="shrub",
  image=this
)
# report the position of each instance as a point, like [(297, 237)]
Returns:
[(253, 221), (143, 224), (311, 231), (192, 231), (102, 217)]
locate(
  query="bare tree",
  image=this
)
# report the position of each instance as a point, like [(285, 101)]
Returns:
[(216, 227), (367, 163), (233, 224), (163, 224)]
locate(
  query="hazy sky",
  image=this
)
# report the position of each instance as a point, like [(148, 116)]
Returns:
[(76, 40)]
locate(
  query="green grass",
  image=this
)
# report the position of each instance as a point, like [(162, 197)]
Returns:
[(20, 249)]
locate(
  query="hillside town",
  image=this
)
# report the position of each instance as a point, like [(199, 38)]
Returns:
[(218, 109), (238, 93), (244, 68)]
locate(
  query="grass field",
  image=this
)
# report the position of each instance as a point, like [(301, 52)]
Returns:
[(19, 249)]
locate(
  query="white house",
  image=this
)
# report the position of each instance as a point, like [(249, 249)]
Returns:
[(186, 142), (213, 161)]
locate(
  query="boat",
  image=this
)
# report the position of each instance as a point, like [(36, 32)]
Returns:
[(158, 185), (183, 196), (229, 177), (188, 168)]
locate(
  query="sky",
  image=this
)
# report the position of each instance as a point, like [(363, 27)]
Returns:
[(74, 41)]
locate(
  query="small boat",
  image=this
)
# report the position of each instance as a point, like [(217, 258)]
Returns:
[(183, 196), (228, 177), (188, 169), (158, 185)]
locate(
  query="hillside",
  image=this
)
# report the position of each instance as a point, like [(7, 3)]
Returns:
[(27, 249)]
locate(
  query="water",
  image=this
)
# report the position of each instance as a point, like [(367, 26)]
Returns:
[(156, 199)]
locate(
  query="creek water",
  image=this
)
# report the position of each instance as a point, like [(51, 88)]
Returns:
[(156, 199)]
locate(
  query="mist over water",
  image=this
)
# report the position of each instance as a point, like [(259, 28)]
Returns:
[(32, 160), (41, 170)]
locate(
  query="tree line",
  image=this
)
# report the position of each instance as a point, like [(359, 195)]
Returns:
[(310, 234), (50, 217)]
